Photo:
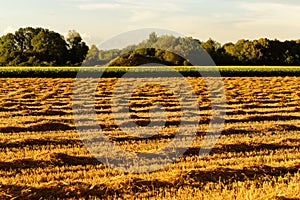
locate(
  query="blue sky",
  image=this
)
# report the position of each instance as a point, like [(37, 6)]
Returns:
[(98, 20)]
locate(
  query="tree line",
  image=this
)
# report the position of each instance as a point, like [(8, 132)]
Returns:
[(244, 52), (42, 47), (255, 52)]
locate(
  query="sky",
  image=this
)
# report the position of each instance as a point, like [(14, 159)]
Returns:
[(99, 20)]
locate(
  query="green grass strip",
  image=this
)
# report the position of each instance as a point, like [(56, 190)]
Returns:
[(71, 72)]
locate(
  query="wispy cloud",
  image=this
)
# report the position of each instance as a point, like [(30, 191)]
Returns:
[(276, 11), (9, 29), (168, 6), (219, 19), (100, 6), (283, 2), (270, 6), (138, 10)]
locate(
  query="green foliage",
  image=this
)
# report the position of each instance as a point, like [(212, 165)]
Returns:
[(37, 46), (149, 56), (92, 57), (49, 48), (261, 52), (77, 48), (244, 52), (156, 49)]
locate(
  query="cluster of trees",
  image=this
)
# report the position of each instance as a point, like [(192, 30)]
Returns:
[(149, 56), (256, 52), (163, 50), (243, 52), (41, 47)]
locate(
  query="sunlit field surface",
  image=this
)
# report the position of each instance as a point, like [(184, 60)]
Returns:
[(257, 156)]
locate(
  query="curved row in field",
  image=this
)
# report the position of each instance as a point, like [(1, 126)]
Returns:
[(42, 154)]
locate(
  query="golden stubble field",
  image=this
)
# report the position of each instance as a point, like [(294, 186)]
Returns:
[(257, 156)]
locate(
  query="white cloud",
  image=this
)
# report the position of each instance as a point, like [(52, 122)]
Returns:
[(138, 6), (282, 2), (166, 6), (223, 21), (271, 15), (272, 9), (9, 29), (96, 6), (139, 11), (271, 19), (86, 37)]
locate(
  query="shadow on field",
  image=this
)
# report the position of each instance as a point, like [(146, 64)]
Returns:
[(132, 185), (279, 127), (233, 131), (49, 126), (263, 118), (286, 198), (81, 190), (24, 164), (62, 159), (243, 148), (254, 112), (138, 139), (287, 127), (227, 175), (31, 143), (58, 159), (58, 191)]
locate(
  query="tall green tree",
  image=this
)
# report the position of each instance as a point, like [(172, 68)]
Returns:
[(213, 48), (77, 48), (8, 50), (92, 57), (37, 46), (50, 48)]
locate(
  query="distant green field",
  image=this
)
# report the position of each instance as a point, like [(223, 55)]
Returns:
[(70, 72)]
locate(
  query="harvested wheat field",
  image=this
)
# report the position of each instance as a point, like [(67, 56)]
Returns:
[(257, 156)]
